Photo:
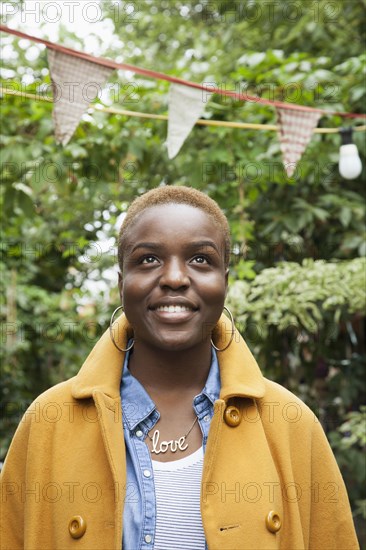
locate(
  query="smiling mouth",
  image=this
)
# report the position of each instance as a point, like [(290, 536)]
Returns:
[(174, 309)]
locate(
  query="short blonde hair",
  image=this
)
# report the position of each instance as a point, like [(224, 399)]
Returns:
[(174, 194)]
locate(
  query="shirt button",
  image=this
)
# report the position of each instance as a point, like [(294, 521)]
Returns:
[(147, 473), (148, 538), (206, 418), (139, 433)]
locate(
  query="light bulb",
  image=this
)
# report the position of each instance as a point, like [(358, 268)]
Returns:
[(350, 166)]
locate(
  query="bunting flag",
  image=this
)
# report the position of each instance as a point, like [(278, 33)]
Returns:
[(296, 130), (75, 84), (186, 106), (77, 79)]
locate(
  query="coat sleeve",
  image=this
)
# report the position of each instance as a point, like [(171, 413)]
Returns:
[(331, 522), (13, 489)]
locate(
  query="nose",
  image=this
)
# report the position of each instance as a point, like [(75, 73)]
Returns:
[(174, 275)]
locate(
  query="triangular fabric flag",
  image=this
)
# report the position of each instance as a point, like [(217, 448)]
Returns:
[(186, 106), (296, 130), (75, 83)]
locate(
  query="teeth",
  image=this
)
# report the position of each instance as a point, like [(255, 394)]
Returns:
[(173, 309)]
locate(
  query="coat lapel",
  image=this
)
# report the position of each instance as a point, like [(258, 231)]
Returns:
[(102, 368)]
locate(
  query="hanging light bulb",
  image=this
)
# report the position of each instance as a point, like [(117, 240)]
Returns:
[(350, 166)]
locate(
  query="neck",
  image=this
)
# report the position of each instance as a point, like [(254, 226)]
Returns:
[(170, 371)]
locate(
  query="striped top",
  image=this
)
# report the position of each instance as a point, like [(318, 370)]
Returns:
[(178, 514)]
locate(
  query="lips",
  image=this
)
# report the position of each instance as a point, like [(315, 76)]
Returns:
[(173, 306), (173, 310)]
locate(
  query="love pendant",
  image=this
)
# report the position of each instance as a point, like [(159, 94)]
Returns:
[(173, 445)]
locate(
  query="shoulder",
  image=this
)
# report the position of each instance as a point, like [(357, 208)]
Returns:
[(291, 407), (292, 429), (285, 417), (55, 395), (50, 408), (294, 433), (41, 417)]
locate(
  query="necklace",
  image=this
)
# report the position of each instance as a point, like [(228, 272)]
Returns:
[(173, 444)]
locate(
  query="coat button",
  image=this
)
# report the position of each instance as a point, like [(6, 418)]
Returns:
[(273, 522), (232, 416), (77, 527)]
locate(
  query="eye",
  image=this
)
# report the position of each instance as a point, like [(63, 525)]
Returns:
[(149, 260), (200, 259)]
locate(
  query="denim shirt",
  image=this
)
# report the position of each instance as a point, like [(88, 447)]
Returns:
[(139, 416)]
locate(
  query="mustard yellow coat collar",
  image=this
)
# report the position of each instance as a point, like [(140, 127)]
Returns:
[(102, 369)]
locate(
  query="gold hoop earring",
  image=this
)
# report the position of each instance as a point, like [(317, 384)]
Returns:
[(232, 332), (111, 331)]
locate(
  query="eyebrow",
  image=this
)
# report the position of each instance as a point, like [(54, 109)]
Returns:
[(152, 246), (157, 246)]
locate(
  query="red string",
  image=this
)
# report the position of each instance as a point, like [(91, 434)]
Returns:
[(161, 76)]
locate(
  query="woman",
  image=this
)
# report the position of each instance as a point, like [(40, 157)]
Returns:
[(204, 450)]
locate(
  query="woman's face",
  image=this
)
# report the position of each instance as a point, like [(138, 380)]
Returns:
[(174, 277)]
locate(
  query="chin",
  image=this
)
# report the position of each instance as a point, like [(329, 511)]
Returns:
[(173, 343)]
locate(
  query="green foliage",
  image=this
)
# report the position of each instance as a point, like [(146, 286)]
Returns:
[(353, 429), (349, 444), (305, 324), (310, 297)]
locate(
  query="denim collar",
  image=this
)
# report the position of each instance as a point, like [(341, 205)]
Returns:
[(138, 407)]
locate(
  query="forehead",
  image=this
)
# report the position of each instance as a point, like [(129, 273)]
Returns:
[(179, 220)]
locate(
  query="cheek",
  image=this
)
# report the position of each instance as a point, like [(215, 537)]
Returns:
[(135, 291), (213, 292), (130, 294), (134, 285), (215, 283)]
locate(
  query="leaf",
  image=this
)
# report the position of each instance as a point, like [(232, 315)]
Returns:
[(19, 186), (345, 216)]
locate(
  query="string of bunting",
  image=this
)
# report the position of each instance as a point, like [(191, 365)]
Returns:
[(200, 122), (187, 101)]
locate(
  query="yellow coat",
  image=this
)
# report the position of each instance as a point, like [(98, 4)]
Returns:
[(269, 480)]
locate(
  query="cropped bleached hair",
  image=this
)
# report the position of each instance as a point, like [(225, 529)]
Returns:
[(173, 194)]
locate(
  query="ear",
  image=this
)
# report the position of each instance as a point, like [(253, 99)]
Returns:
[(120, 285)]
